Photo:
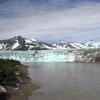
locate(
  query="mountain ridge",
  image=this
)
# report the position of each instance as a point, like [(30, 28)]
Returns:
[(21, 43)]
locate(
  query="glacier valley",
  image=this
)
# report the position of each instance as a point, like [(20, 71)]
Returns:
[(84, 55)]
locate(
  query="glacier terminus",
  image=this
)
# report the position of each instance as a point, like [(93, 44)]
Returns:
[(82, 55)]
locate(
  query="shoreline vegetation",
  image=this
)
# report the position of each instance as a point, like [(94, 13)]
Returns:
[(15, 81)]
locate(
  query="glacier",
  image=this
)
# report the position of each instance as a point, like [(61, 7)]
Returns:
[(39, 56), (83, 55)]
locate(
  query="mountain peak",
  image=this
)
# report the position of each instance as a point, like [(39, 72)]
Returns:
[(19, 37), (21, 43)]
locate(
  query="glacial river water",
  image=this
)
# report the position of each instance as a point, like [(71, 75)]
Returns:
[(65, 81)]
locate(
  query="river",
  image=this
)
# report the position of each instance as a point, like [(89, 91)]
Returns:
[(65, 81)]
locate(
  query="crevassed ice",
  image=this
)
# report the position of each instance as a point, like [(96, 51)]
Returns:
[(39, 56)]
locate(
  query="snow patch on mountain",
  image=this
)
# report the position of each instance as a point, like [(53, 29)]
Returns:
[(21, 43), (29, 40), (15, 45), (93, 44), (76, 45), (0, 46)]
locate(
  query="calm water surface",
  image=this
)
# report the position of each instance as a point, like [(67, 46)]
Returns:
[(65, 81)]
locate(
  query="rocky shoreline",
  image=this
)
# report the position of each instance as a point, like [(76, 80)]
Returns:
[(21, 87), (25, 90)]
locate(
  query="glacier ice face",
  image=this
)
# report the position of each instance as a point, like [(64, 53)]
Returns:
[(88, 55), (39, 56), (84, 55), (23, 57), (54, 56)]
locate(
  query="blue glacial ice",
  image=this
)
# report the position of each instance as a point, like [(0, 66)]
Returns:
[(39, 56)]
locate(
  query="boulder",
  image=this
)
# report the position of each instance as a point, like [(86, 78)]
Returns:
[(2, 89), (3, 94)]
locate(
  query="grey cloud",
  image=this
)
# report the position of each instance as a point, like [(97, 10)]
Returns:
[(75, 23)]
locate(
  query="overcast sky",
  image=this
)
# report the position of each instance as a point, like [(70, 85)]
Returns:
[(50, 20)]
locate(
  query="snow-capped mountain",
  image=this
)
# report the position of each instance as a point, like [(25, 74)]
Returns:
[(76, 45), (21, 43), (92, 44)]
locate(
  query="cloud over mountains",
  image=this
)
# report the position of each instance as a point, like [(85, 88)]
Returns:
[(50, 20)]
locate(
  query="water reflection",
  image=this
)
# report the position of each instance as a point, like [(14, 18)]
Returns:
[(66, 81)]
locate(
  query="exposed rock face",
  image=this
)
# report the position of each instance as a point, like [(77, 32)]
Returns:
[(21, 43)]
